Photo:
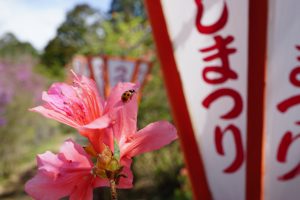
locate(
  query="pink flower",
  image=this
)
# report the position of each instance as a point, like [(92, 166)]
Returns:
[(76, 105), (132, 142), (80, 106), (69, 173)]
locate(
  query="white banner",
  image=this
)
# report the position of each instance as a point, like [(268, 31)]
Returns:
[(97, 65), (210, 42), (80, 65), (143, 70), (282, 148), (107, 71), (120, 71)]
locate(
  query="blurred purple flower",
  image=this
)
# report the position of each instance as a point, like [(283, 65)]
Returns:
[(23, 74), (2, 121), (5, 96), (18, 80)]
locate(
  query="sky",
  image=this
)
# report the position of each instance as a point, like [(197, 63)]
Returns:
[(36, 21)]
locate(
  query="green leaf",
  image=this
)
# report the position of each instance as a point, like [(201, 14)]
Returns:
[(116, 150)]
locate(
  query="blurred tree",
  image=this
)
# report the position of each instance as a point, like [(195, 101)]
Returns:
[(124, 38), (11, 47), (81, 28), (128, 7)]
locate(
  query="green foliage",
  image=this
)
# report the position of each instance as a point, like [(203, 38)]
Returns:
[(55, 73), (125, 38), (11, 47), (86, 31), (130, 8), (151, 107), (80, 29), (184, 192)]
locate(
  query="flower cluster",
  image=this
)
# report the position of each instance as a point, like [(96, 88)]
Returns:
[(111, 129)]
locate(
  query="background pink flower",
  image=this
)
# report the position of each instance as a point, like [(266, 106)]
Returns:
[(67, 173)]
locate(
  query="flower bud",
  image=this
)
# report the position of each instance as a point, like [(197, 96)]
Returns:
[(113, 165), (89, 149), (104, 158)]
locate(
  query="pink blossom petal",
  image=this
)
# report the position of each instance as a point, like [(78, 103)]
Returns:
[(92, 84), (75, 105), (127, 120), (98, 137), (126, 117), (49, 162), (150, 138), (116, 94), (74, 153), (130, 111), (126, 183), (84, 190), (43, 187), (58, 96), (59, 90), (54, 115), (100, 182), (62, 174), (99, 123)]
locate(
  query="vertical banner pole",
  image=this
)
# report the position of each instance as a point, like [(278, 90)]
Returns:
[(256, 97), (172, 80)]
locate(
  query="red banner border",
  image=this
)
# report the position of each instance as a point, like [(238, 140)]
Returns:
[(180, 112)]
